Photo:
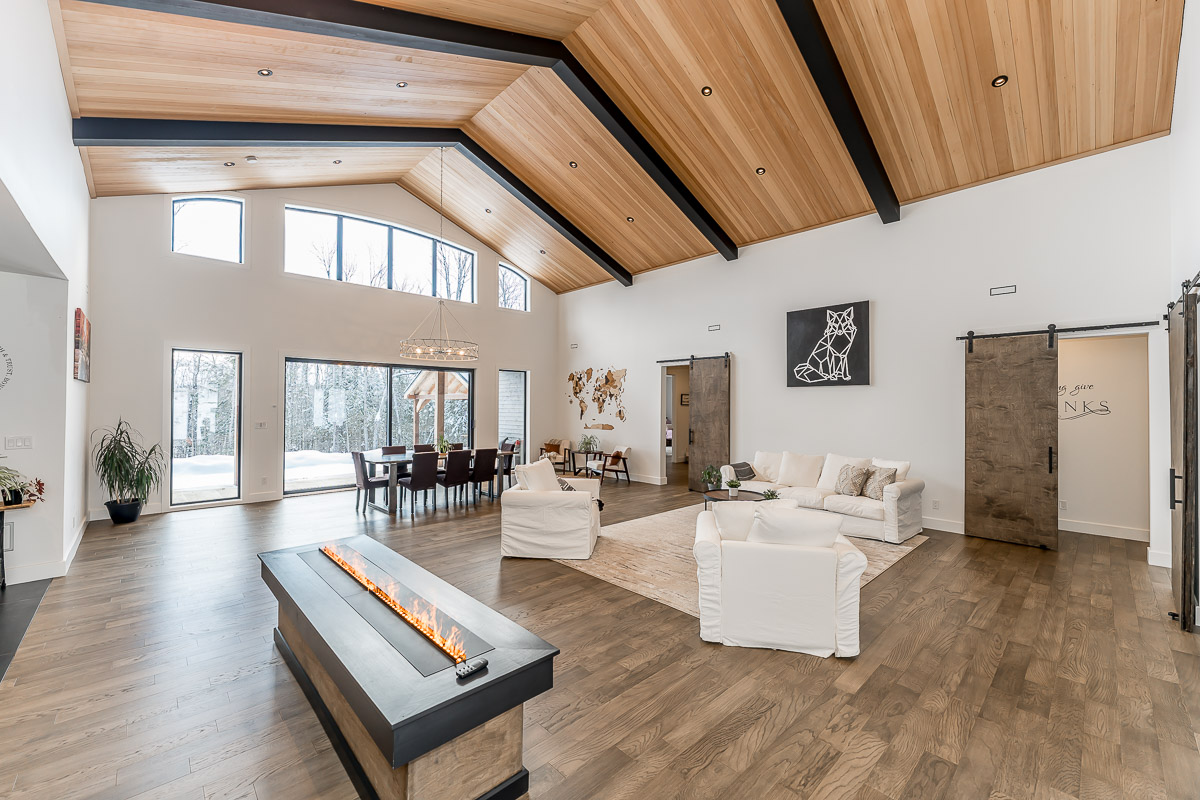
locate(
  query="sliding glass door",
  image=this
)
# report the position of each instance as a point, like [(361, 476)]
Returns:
[(332, 409), (206, 400)]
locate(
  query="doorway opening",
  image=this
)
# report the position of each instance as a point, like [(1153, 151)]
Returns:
[(677, 423)]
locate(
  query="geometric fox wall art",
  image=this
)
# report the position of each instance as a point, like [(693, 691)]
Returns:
[(830, 346)]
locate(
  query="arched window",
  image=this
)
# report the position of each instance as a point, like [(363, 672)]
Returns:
[(339, 247), (209, 227), (514, 289)]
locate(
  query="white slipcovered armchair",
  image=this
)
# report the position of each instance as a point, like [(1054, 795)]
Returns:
[(758, 591), (539, 519)]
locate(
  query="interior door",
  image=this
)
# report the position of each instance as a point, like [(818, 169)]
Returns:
[(1012, 440), (708, 436), (1181, 322)]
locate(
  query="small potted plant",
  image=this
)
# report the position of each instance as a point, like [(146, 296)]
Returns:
[(12, 484), (443, 445), (711, 476), (770, 494), (733, 485), (128, 471), (589, 444)]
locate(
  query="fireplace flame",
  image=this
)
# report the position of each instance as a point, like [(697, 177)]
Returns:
[(422, 616)]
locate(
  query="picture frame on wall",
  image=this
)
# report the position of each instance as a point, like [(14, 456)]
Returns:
[(829, 345), (685, 399), (83, 347)]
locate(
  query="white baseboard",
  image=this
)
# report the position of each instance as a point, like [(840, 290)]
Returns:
[(1158, 558), (1100, 529), (657, 480), (947, 525)]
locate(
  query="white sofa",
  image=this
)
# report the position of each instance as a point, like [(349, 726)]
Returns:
[(786, 596), (810, 481), (538, 519)]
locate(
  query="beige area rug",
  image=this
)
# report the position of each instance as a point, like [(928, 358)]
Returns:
[(653, 557)]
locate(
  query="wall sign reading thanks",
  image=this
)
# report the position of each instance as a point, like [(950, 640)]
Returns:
[(1076, 405)]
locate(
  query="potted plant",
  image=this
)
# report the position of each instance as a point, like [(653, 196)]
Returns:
[(34, 490), (11, 485), (128, 470), (443, 445), (711, 477), (589, 444), (770, 494), (733, 486)]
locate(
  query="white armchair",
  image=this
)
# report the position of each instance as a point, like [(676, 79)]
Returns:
[(795, 597), (538, 519)]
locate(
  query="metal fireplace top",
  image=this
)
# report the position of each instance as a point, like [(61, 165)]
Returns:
[(404, 691)]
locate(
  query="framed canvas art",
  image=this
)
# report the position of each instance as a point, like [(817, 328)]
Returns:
[(829, 346), (83, 347)]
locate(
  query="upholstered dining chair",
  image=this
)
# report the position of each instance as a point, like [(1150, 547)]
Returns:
[(507, 458), (424, 477), (616, 462), (483, 471), (396, 450), (364, 483), (424, 448), (456, 446), (456, 474)]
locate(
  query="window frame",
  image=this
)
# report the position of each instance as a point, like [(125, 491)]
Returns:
[(172, 200), (241, 396), (391, 368), (391, 227), (501, 268)]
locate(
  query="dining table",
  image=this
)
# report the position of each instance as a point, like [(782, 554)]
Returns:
[(377, 458)]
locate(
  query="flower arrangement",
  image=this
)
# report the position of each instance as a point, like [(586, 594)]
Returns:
[(770, 494), (711, 477)]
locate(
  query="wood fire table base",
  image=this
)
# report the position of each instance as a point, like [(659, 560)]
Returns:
[(482, 764)]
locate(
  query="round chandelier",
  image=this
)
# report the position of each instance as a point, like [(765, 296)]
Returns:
[(436, 340)]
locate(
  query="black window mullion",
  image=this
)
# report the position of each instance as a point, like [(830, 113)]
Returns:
[(339, 248), (437, 251), (390, 283)]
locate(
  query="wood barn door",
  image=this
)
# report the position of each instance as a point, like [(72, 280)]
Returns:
[(1181, 322), (708, 435), (1012, 440)]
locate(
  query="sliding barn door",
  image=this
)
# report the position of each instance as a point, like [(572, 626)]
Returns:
[(1181, 322), (708, 437), (1012, 440)]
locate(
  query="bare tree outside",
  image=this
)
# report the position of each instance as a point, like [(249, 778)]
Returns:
[(455, 273), (514, 289)]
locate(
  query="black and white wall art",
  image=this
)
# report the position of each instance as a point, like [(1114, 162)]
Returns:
[(829, 346)]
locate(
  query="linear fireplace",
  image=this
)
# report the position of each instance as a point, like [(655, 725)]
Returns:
[(419, 684)]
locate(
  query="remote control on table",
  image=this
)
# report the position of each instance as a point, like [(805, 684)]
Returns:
[(469, 667)]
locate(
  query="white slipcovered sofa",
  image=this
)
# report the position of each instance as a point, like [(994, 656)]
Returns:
[(810, 481), (538, 519), (791, 583)]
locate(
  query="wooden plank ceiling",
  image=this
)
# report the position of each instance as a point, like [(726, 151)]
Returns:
[(1083, 77)]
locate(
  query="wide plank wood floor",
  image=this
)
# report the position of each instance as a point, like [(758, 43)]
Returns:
[(988, 671)]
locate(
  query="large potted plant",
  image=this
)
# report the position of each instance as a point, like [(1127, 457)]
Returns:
[(128, 470)]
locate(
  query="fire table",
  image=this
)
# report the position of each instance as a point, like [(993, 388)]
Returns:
[(420, 687)]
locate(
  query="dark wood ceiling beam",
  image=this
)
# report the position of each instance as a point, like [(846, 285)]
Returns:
[(350, 19), (815, 47), (122, 132)]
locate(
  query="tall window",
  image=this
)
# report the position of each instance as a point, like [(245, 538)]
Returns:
[(332, 410), (211, 227), (206, 399), (514, 289), (322, 244), (514, 406)]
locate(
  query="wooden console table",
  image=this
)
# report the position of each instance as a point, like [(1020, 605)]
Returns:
[(3, 577)]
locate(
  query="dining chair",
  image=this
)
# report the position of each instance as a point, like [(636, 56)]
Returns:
[(364, 483), (484, 471), (424, 448), (401, 469), (503, 445), (457, 473), (456, 446), (424, 476), (507, 459)]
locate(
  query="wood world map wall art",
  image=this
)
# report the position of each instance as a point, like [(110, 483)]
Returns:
[(601, 390)]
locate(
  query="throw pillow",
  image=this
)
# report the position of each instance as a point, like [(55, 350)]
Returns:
[(833, 467), (743, 471), (735, 518), (800, 470), (795, 526), (566, 487), (877, 478), (766, 465), (850, 480), (901, 467), (537, 477)]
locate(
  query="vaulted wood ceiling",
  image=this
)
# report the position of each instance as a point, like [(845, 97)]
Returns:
[(760, 152)]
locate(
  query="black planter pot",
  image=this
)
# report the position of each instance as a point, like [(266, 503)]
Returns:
[(121, 513), (12, 497)]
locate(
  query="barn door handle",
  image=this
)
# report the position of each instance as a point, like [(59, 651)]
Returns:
[(1174, 500), (691, 436), (1051, 459)]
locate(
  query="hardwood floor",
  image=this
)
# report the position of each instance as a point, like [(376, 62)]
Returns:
[(987, 670)]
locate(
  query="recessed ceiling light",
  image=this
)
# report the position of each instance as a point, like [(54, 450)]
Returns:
[(488, 210), (543, 252), (251, 159), (629, 219), (402, 85), (999, 81), (266, 73), (706, 91), (573, 165), (761, 171), (229, 163), (337, 161)]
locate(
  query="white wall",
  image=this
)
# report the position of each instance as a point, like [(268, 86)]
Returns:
[(1104, 436), (1085, 242), (43, 178), (147, 300)]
